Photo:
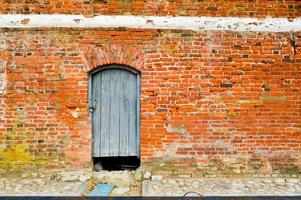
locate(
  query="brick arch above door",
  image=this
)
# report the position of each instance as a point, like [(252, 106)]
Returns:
[(102, 55)]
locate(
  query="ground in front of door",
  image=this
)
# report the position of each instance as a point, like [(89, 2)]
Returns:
[(75, 183), (130, 183)]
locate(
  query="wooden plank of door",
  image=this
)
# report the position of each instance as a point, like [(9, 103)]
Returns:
[(114, 112), (124, 113), (132, 145), (138, 89), (96, 85), (105, 112)]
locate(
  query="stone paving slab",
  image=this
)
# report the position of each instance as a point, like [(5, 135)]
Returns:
[(38, 187), (223, 187)]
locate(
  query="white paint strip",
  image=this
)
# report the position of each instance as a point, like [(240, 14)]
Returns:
[(151, 22)]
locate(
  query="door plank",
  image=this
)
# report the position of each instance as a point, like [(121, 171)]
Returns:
[(105, 113), (124, 113), (114, 112), (96, 85), (138, 115), (132, 117)]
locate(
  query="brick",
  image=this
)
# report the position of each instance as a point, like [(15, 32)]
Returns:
[(272, 98), (205, 113), (258, 9), (226, 85)]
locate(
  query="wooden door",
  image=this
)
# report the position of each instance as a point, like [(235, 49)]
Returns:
[(115, 108)]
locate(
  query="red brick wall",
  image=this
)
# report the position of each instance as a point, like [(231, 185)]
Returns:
[(241, 8), (213, 102)]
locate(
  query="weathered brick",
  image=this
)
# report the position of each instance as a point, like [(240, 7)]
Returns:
[(260, 8), (205, 113), (273, 98)]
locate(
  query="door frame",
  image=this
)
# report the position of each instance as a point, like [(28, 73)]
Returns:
[(138, 89)]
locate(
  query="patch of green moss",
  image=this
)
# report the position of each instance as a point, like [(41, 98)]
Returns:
[(14, 157), (233, 114), (286, 168), (126, 3), (17, 158)]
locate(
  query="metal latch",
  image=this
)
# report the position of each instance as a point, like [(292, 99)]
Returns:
[(92, 107)]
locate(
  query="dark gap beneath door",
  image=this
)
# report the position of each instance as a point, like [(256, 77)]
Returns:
[(116, 163)]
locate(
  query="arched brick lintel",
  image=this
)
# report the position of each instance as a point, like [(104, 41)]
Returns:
[(98, 56)]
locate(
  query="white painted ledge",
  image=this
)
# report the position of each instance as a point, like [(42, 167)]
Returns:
[(151, 22)]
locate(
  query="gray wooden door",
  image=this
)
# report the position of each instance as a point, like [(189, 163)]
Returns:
[(115, 102)]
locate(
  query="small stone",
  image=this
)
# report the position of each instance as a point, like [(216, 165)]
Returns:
[(267, 180), (147, 175), (68, 176), (297, 188), (84, 177), (187, 182), (121, 190), (280, 181), (34, 175), (251, 182), (195, 184), (18, 187), (40, 182), (98, 167), (157, 178), (181, 183), (138, 174), (24, 176), (293, 180), (237, 171), (184, 175)]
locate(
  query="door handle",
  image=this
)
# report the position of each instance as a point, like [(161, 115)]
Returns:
[(92, 108)]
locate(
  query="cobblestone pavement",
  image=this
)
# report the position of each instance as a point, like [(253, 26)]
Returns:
[(72, 183), (38, 187), (222, 187)]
